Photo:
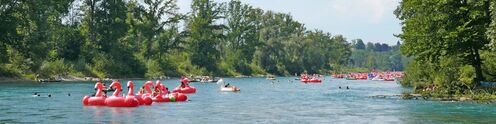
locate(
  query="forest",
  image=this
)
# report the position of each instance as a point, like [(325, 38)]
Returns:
[(151, 39)]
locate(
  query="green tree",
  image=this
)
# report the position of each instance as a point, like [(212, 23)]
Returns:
[(205, 34), (241, 36), (370, 46), (358, 44), (438, 28)]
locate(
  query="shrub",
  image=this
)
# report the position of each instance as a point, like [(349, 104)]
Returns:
[(50, 69)]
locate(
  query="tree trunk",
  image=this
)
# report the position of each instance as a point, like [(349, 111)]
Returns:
[(477, 66)]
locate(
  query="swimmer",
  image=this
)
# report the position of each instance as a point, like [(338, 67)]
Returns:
[(347, 87), (35, 94), (339, 87), (68, 94), (49, 95)]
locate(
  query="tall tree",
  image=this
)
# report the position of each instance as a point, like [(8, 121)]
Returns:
[(358, 44), (241, 35), (437, 28), (205, 34)]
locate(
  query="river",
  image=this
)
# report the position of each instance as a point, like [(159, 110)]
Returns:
[(284, 100)]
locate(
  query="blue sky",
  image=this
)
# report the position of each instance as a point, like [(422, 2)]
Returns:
[(370, 20)]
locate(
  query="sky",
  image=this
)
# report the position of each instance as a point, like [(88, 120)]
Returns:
[(369, 20)]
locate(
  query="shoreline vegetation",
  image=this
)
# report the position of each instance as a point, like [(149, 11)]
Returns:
[(453, 46)]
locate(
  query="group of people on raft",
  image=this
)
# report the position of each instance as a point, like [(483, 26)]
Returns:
[(145, 95), (378, 76), (305, 78)]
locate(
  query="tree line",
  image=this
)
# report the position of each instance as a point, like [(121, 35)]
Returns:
[(150, 38), (379, 56)]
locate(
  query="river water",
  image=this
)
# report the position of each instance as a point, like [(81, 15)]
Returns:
[(284, 100)]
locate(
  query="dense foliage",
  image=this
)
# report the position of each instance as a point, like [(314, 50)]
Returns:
[(451, 41), (376, 56), (150, 38)]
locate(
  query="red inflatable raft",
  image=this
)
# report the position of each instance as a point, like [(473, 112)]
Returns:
[(98, 99), (184, 87), (313, 80), (120, 101), (164, 95)]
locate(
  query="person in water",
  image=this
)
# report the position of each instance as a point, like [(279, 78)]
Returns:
[(35, 94), (347, 87)]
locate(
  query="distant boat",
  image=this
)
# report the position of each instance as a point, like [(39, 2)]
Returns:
[(242, 76), (271, 77), (377, 78), (194, 80), (212, 81)]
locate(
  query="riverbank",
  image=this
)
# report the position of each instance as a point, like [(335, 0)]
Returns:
[(10, 79), (478, 97), (65, 79), (71, 78)]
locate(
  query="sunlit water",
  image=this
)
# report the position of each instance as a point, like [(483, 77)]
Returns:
[(284, 100)]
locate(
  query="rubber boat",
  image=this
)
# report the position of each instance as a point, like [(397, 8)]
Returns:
[(186, 89), (223, 88), (121, 101), (313, 80), (98, 99), (130, 95), (389, 79), (164, 95), (158, 98), (377, 78), (229, 89), (172, 97), (145, 98), (271, 77)]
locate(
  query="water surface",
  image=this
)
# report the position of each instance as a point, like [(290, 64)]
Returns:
[(284, 100)]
